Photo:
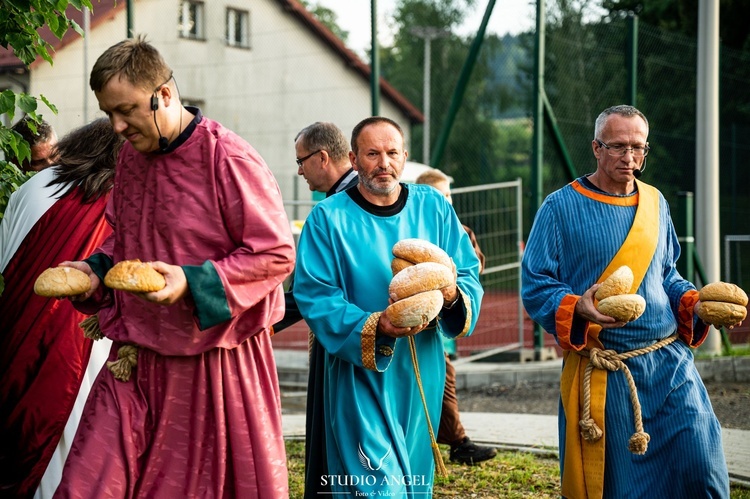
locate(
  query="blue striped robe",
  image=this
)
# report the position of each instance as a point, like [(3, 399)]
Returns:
[(573, 239)]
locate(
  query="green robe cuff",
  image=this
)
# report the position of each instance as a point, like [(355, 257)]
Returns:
[(211, 307), (100, 264)]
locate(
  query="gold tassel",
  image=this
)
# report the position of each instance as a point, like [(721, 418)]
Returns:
[(127, 358), (90, 326)]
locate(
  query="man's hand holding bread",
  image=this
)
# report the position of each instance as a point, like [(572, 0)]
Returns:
[(610, 303), (156, 282), (722, 304), (424, 282)]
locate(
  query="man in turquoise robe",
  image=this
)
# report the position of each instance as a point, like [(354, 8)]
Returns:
[(378, 436)]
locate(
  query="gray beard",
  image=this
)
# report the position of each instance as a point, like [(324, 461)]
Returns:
[(377, 188)]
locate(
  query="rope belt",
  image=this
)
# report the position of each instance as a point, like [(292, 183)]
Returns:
[(610, 360)]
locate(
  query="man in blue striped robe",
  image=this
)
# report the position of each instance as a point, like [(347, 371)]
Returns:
[(595, 223)]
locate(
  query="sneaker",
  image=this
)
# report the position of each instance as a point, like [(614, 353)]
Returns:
[(467, 452)]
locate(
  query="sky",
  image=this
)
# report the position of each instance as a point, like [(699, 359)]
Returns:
[(508, 16)]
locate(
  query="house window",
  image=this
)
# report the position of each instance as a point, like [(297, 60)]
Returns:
[(238, 28), (191, 23)]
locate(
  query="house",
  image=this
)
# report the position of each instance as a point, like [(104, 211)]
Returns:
[(263, 68)]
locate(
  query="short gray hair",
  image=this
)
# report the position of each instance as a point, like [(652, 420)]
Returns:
[(622, 110), (327, 136)]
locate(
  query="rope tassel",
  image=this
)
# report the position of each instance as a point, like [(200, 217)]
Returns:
[(90, 326), (127, 358)]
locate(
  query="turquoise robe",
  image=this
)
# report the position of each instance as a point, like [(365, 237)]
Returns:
[(574, 237), (376, 430)]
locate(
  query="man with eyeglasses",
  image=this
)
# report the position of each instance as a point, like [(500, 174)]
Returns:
[(662, 438), (323, 160)]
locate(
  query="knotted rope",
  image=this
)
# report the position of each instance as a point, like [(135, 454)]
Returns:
[(90, 326), (127, 358), (439, 464), (127, 355), (610, 360)]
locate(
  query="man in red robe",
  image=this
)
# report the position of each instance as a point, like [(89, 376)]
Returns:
[(57, 215)]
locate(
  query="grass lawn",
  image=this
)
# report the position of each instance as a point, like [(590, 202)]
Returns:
[(510, 475)]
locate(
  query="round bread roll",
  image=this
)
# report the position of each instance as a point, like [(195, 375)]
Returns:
[(418, 251), (721, 314), (415, 310), (619, 282), (625, 308), (425, 276), (399, 264), (723, 291), (62, 281), (134, 276)]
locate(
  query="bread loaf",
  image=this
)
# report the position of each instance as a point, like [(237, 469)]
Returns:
[(62, 281), (425, 276), (723, 292), (134, 276), (399, 264), (418, 251), (721, 314), (619, 282), (625, 308), (415, 310)]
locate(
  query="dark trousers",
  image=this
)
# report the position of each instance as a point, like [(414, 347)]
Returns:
[(451, 430)]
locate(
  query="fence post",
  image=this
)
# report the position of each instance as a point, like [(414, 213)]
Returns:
[(685, 224)]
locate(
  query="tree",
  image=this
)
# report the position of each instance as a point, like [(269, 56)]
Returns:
[(20, 21), (327, 17), (473, 154), (682, 16)]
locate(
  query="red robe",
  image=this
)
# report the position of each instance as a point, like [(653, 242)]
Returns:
[(43, 353)]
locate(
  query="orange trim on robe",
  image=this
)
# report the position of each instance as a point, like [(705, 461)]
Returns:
[(564, 323), (693, 336)]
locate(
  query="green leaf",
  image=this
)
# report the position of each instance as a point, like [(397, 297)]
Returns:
[(26, 103), (51, 106), (7, 103), (76, 27), (53, 22), (42, 50)]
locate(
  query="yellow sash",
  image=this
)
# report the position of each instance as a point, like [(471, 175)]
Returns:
[(583, 467)]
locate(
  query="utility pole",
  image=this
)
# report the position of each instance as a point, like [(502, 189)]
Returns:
[(374, 60), (427, 33)]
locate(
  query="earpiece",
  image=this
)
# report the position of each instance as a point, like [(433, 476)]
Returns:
[(163, 141), (637, 173)]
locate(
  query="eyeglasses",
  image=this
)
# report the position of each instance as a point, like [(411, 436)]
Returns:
[(302, 160), (618, 150)]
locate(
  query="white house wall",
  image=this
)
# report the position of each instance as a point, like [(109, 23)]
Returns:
[(288, 78)]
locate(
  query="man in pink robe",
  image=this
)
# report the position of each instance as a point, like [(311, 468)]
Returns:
[(199, 412)]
